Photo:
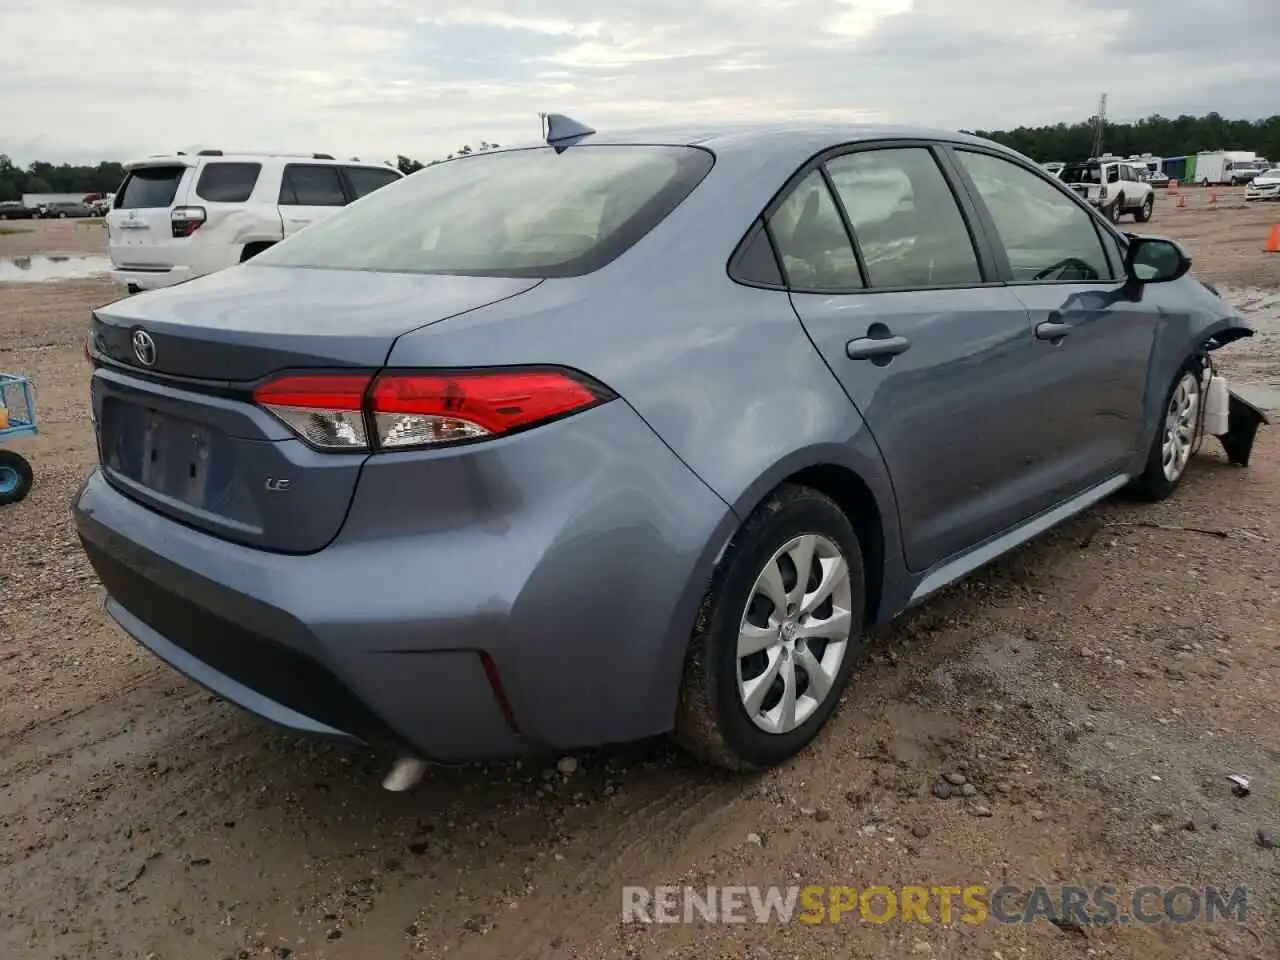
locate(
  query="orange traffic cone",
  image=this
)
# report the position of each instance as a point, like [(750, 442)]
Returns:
[(1213, 197), (1273, 242), (1182, 200)]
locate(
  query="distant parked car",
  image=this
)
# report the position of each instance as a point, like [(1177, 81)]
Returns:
[(61, 209), (577, 443), (179, 217), (13, 210), (1265, 186), (1158, 180)]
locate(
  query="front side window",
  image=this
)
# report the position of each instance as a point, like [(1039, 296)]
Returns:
[(814, 246), (905, 218), (1047, 235), (514, 213)]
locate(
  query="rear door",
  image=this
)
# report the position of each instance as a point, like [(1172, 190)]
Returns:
[(927, 343), (309, 192), (1092, 340), (139, 231)]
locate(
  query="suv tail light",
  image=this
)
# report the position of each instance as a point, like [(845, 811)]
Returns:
[(186, 220), (405, 410)]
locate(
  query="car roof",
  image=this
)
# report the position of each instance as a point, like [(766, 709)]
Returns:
[(803, 138)]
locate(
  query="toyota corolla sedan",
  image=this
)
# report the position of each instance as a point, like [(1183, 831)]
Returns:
[(617, 435)]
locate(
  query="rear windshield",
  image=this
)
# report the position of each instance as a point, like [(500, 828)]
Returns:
[(1082, 173), (515, 213), (149, 187)]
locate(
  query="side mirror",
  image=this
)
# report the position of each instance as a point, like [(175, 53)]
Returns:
[(1155, 260)]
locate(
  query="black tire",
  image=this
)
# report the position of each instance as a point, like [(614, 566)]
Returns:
[(711, 720), (1148, 207), (62, 216), (15, 477), (1153, 483), (4, 216), (1116, 209)]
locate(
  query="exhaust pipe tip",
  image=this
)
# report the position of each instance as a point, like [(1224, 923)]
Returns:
[(404, 774)]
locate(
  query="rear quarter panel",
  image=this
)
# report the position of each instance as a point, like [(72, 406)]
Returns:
[(723, 373)]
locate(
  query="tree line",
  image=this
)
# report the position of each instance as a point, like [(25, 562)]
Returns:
[(1161, 136)]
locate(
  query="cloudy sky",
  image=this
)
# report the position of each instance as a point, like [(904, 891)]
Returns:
[(82, 80)]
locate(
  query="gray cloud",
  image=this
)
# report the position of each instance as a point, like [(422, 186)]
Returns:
[(379, 77)]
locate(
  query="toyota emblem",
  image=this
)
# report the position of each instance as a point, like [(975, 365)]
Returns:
[(144, 348)]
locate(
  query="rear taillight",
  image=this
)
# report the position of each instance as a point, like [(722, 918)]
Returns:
[(186, 220), (405, 410)]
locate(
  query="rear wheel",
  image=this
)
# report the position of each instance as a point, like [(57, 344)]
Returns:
[(1175, 439), (1148, 205), (773, 646), (15, 477)]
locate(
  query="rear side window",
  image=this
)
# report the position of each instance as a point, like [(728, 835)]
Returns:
[(812, 241), (311, 185), (365, 180), (227, 182), (149, 187), (905, 218), (514, 213)]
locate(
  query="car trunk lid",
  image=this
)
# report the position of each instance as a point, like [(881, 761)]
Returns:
[(173, 401)]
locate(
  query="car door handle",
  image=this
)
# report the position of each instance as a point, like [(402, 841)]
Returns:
[(870, 348), (299, 219), (1052, 330)]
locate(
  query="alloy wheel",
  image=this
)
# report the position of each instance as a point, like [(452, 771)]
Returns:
[(1180, 421), (794, 633)]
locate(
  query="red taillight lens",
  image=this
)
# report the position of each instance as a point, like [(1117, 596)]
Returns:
[(186, 220), (327, 411), (406, 410), (411, 410)]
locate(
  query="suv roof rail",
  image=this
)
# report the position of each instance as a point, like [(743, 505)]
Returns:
[(312, 155)]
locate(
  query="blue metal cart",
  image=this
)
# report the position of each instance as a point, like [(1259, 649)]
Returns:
[(17, 419)]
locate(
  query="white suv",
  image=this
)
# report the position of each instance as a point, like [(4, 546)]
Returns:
[(182, 216), (1113, 186)]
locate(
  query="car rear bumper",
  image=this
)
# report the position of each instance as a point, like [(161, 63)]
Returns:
[(558, 622), (152, 279)]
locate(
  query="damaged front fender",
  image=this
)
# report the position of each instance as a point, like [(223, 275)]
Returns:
[(1243, 416)]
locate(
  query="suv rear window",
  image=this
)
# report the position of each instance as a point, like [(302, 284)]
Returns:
[(149, 187), (514, 213), (227, 182), (1081, 173)]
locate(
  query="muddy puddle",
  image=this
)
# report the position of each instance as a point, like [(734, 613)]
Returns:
[(42, 268)]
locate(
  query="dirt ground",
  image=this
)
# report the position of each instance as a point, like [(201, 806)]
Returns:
[(1096, 689)]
